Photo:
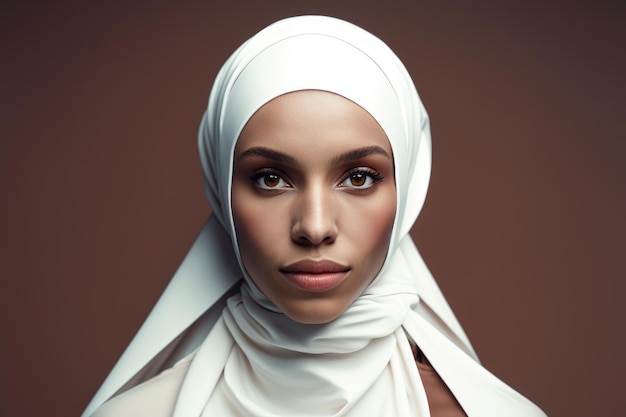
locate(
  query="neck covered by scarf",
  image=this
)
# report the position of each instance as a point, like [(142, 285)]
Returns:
[(255, 361)]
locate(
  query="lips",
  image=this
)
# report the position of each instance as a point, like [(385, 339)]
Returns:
[(315, 276)]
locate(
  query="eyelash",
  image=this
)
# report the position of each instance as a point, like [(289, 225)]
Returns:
[(370, 174), (257, 175)]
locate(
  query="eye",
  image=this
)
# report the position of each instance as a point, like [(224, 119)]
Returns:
[(269, 180), (362, 178)]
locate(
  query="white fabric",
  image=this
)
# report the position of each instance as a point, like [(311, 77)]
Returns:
[(257, 362)]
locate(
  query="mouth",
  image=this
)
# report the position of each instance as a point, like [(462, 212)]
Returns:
[(315, 276)]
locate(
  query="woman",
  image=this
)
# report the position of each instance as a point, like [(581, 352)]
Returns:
[(316, 154)]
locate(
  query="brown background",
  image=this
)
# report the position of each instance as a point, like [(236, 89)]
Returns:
[(523, 226)]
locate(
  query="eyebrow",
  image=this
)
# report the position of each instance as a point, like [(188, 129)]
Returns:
[(269, 154), (286, 159), (360, 153)]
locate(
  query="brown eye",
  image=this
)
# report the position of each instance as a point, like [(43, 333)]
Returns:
[(271, 180), (358, 179), (362, 179)]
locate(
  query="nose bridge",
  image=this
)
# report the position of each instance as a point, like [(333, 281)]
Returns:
[(315, 215)]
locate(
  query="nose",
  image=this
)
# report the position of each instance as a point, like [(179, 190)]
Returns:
[(315, 218)]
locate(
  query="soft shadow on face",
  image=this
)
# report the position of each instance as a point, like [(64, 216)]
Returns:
[(313, 201)]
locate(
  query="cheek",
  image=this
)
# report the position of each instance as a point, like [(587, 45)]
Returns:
[(381, 225), (371, 232), (255, 226), (246, 220)]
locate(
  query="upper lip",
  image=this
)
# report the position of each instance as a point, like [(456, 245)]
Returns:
[(312, 266)]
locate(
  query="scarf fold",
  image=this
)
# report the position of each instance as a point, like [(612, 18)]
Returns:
[(255, 361), (358, 363)]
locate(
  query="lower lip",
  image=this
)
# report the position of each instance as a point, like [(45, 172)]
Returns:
[(315, 282)]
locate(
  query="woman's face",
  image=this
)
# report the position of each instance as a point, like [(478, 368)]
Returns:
[(313, 200)]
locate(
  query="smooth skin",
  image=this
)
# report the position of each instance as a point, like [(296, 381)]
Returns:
[(313, 201)]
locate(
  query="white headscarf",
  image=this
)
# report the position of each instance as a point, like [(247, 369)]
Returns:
[(255, 361)]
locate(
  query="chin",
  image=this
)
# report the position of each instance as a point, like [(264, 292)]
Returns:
[(314, 311)]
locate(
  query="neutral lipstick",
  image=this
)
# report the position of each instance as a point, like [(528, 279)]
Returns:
[(315, 276)]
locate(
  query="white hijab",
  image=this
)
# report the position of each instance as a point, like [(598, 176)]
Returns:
[(251, 359)]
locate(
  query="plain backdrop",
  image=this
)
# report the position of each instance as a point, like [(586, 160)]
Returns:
[(523, 226)]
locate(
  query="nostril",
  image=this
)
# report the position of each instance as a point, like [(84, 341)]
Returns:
[(314, 218), (311, 239), (313, 235)]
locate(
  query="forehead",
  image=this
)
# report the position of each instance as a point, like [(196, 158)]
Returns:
[(312, 119)]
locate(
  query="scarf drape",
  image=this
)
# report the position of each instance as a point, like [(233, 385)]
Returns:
[(255, 361)]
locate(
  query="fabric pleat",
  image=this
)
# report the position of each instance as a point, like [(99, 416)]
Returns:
[(257, 362)]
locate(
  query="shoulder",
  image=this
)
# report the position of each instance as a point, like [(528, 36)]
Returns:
[(155, 397)]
